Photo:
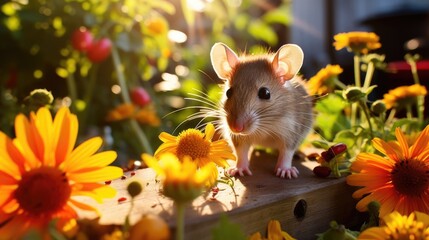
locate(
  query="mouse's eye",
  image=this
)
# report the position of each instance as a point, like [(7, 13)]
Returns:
[(264, 93), (229, 93)]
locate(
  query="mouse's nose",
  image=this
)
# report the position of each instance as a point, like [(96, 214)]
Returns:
[(237, 126)]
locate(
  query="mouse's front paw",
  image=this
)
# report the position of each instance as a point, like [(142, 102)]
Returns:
[(288, 173), (241, 171)]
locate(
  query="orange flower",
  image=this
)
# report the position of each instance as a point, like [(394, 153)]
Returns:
[(399, 181), (41, 173), (275, 232), (146, 115), (121, 112), (397, 226), (403, 95), (323, 82), (357, 42)]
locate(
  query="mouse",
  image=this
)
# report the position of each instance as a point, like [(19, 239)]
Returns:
[(264, 103)]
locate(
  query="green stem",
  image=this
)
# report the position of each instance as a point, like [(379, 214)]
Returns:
[(356, 62), (91, 84), (409, 112), (89, 91), (368, 76), (141, 136), (120, 75), (353, 114), (72, 91), (420, 99), (381, 123), (420, 108), (413, 66), (126, 98), (368, 118), (339, 84), (127, 224), (391, 116), (180, 221)]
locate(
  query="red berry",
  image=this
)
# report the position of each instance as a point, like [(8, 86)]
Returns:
[(327, 155), (333, 151), (99, 50), (122, 199), (140, 96), (108, 182), (123, 177), (322, 171), (338, 148), (82, 39)]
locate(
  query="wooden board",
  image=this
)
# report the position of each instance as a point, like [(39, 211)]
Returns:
[(260, 198)]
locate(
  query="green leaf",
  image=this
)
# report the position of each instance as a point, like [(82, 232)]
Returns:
[(226, 230), (241, 21), (164, 6), (191, 86), (320, 144), (279, 15), (331, 104), (403, 122), (347, 137), (262, 31), (331, 123)]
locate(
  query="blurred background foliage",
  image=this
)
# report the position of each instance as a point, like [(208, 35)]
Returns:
[(146, 57)]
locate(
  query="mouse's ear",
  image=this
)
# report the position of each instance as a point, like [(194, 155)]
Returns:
[(287, 61), (223, 60)]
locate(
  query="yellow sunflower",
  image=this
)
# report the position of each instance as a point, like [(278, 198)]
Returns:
[(197, 145), (323, 82), (403, 95), (397, 226), (41, 173), (357, 42), (182, 180), (275, 232), (399, 181)]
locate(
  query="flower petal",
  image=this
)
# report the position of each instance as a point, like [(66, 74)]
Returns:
[(96, 191), (44, 127), (402, 142), (29, 139), (65, 134), (82, 152), (83, 206), (97, 160), (209, 132), (165, 137), (387, 149), (96, 175), (152, 163), (421, 143)]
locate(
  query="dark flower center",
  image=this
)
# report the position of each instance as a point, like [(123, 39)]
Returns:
[(410, 177), (43, 190)]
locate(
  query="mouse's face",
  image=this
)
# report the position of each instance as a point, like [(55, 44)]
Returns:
[(250, 96), (254, 86)]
